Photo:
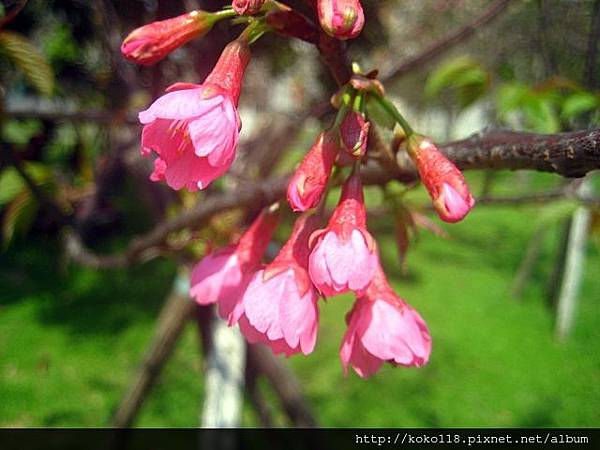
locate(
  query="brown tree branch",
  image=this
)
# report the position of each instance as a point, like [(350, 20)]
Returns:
[(58, 114), (439, 47), (171, 323), (284, 382), (568, 154)]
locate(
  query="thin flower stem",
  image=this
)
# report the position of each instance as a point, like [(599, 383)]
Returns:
[(223, 14), (255, 30), (341, 114), (330, 183), (395, 114)]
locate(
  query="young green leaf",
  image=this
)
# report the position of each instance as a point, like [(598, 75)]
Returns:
[(29, 60), (19, 215), (463, 75), (579, 103)]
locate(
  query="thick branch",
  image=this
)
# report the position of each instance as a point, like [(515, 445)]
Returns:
[(568, 154), (439, 47), (286, 385)]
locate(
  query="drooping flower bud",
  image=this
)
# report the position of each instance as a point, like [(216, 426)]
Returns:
[(383, 328), (222, 276), (279, 306), (444, 181), (341, 19), (152, 42), (344, 255), (354, 132), (310, 179), (247, 7)]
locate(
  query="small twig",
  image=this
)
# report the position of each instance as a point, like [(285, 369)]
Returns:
[(11, 15), (534, 249), (438, 48), (285, 383), (173, 317), (253, 390), (591, 75), (46, 202), (57, 114)]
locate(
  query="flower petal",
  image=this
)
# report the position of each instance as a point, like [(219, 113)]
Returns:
[(179, 105)]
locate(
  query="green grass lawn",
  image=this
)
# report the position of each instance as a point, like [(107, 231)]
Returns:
[(71, 338)]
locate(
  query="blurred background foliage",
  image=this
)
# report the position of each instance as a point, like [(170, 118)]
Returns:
[(71, 337)]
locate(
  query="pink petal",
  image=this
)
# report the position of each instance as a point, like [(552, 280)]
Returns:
[(317, 268), (213, 135), (261, 302), (182, 172), (179, 105), (158, 174), (192, 172), (456, 206), (364, 363), (253, 336), (339, 258), (298, 316), (392, 334), (160, 138), (180, 86), (365, 262), (214, 274)]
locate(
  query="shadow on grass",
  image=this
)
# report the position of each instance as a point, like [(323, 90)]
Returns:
[(83, 300), (499, 244)]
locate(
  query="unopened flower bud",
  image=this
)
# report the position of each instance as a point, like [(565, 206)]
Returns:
[(152, 42), (247, 7), (354, 133), (443, 180), (308, 184), (341, 19)]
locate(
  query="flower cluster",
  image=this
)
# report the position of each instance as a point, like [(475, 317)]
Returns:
[(192, 133)]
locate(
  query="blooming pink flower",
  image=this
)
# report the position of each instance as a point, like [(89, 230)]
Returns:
[(310, 179), (382, 327), (222, 276), (194, 129), (344, 256), (152, 42), (341, 19), (247, 7), (443, 180), (279, 306)]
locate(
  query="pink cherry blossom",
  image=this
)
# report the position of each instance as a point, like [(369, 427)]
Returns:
[(344, 257), (222, 276), (279, 306), (382, 327), (444, 181), (194, 129)]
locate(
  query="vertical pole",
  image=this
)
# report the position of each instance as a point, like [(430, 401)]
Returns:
[(567, 300)]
